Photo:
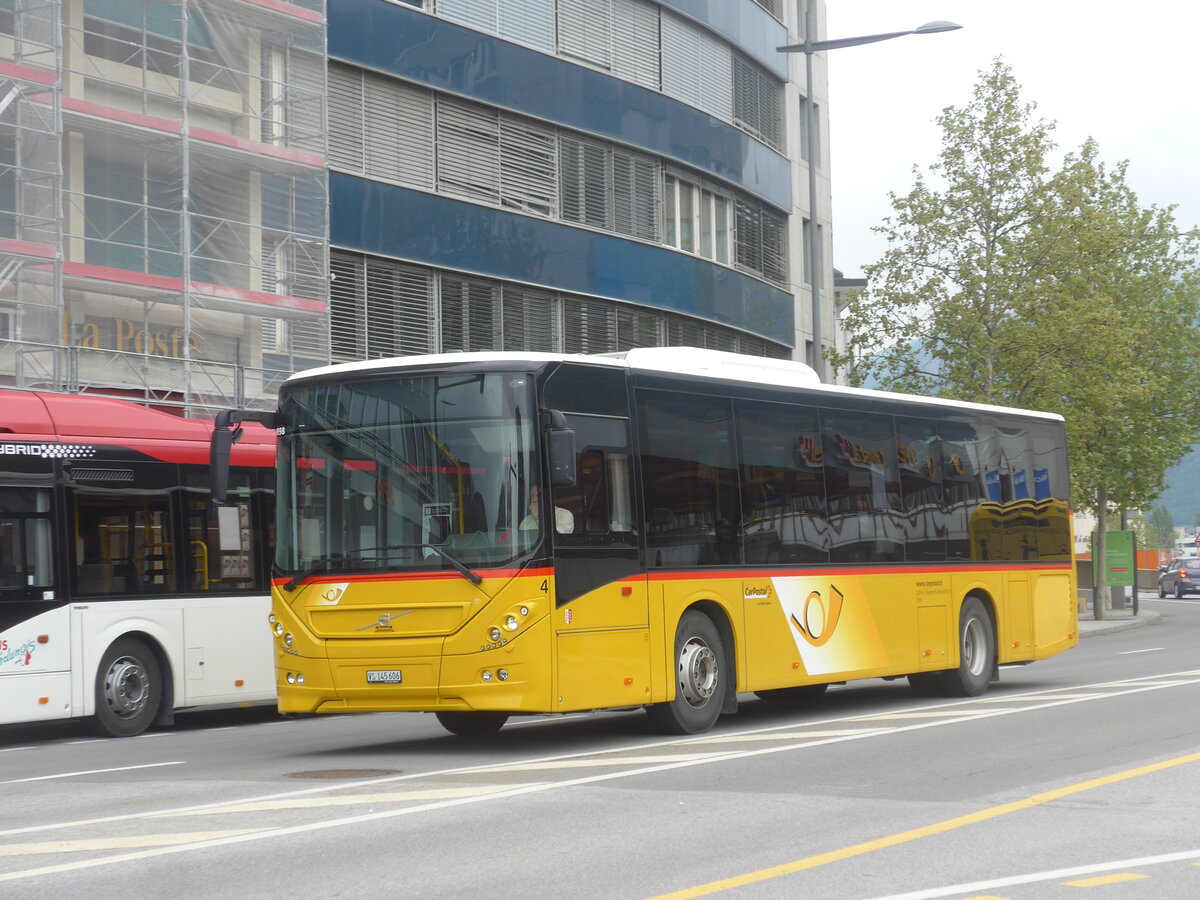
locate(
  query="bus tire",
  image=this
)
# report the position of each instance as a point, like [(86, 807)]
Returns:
[(699, 678), (129, 689), (976, 653), (804, 693), (472, 724)]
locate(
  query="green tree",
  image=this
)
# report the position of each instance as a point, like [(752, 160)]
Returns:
[(1007, 283), (1161, 528)]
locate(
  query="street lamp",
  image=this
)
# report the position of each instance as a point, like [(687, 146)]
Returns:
[(808, 48)]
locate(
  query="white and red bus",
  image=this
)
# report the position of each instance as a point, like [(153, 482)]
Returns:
[(125, 594)]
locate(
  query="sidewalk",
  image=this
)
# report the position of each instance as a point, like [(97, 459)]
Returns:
[(1116, 620)]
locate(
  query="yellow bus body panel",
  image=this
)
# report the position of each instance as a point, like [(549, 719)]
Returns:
[(614, 646)]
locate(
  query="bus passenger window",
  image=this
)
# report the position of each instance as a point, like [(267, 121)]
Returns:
[(25, 541)]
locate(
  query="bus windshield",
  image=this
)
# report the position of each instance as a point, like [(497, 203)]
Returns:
[(406, 473)]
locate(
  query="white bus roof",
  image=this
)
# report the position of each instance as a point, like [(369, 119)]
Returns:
[(694, 361)]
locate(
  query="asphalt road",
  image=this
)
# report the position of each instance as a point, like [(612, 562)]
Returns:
[(1077, 774)]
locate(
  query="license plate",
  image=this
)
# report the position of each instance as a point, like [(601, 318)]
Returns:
[(384, 676)]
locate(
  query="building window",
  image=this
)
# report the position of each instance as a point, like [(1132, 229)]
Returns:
[(816, 135), (761, 242), (757, 101), (618, 36), (528, 22), (148, 34), (696, 219), (774, 7), (716, 226), (697, 68), (587, 192)]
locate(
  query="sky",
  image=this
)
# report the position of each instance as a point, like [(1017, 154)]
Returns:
[(1123, 73)]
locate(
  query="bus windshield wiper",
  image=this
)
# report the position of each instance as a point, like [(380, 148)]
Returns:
[(461, 567), (318, 565), (471, 576)]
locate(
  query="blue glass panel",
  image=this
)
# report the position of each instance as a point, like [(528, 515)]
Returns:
[(438, 231), (447, 57)]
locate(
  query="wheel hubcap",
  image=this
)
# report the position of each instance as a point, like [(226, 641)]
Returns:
[(697, 672), (974, 651), (126, 687)]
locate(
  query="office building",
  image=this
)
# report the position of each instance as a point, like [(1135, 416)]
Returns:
[(198, 197)]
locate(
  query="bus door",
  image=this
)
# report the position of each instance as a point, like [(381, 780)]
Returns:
[(35, 631), (601, 610)]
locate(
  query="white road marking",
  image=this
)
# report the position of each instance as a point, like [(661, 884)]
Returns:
[(356, 799), (1147, 650), (959, 890), (786, 735), (178, 762)]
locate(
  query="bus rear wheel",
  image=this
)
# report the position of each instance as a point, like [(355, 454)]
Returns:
[(976, 653), (699, 678), (128, 690), (471, 724)]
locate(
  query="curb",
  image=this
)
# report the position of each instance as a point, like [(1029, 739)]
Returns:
[(1114, 626)]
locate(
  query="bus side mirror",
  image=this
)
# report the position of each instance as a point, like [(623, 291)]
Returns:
[(219, 450), (562, 450), (227, 431)]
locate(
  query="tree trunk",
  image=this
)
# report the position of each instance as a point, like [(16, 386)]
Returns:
[(1099, 569)]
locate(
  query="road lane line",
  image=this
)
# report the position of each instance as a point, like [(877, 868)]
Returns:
[(356, 799), (959, 890), (117, 843), (1147, 650), (178, 762), (1105, 879), (904, 837)]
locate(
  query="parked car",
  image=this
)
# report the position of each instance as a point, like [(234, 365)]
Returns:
[(1180, 576)]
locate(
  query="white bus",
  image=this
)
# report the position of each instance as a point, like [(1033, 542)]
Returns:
[(125, 594)]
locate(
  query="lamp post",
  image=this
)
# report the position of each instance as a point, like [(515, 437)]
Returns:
[(813, 249)]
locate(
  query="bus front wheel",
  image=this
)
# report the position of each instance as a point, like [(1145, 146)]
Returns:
[(472, 723), (976, 653), (128, 690), (699, 678)]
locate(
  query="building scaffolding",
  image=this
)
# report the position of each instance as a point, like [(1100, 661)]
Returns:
[(163, 226)]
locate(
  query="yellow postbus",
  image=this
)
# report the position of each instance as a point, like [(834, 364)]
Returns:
[(480, 535)]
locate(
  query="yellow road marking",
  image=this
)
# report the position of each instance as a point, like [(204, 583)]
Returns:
[(904, 837), (1105, 879), (119, 843)]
